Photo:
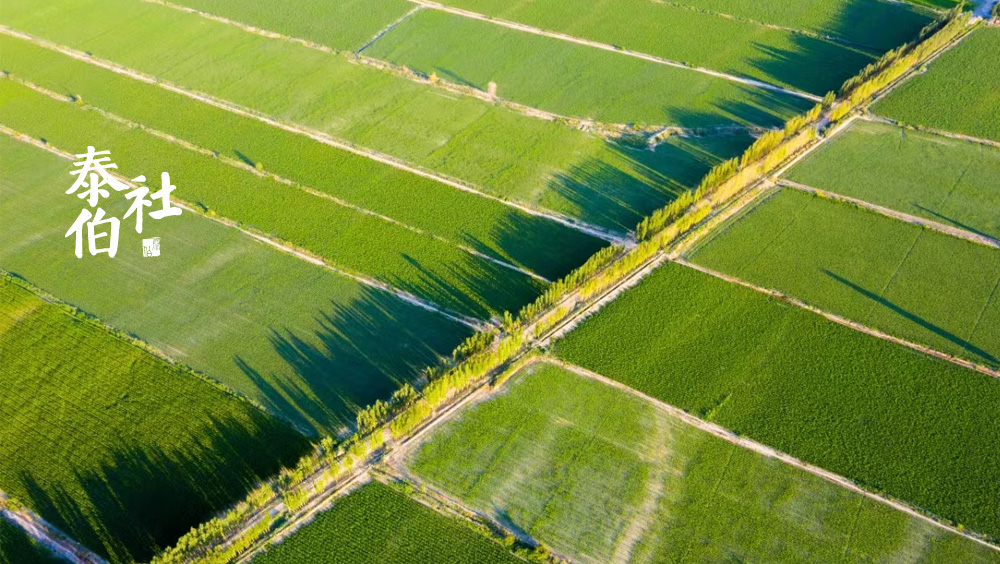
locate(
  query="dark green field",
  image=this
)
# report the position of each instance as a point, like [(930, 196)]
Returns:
[(897, 421), (379, 525), (110, 444)]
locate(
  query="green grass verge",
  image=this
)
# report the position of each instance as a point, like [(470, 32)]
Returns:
[(875, 24), (529, 241), (113, 446), (894, 420), (297, 338), (511, 155), (776, 56), (922, 174), (377, 524), (575, 80), (644, 487), (16, 547), (344, 24), (354, 241), (959, 93), (922, 285)]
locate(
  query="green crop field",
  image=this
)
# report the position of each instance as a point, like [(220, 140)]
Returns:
[(776, 56), (377, 524), (112, 445), (354, 241), (918, 284), (959, 93), (911, 426), (644, 487), (571, 79), (946, 180), (529, 241), (875, 24), (517, 157), (344, 24), (303, 341), (16, 547)]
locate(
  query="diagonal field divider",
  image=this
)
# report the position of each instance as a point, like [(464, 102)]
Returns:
[(764, 450), (842, 320)]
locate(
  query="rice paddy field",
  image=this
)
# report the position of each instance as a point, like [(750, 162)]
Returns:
[(111, 444), (643, 486), (894, 420), (377, 523), (911, 282), (675, 32), (490, 227), (572, 79), (502, 152), (959, 92), (946, 180), (303, 341)]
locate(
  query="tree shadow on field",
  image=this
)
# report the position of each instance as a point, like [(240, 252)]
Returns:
[(626, 183), (354, 355), (541, 245), (953, 222), (143, 497), (818, 66), (955, 339)]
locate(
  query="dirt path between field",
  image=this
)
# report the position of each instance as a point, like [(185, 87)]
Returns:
[(929, 224), (606, 47), (272, 176), (843, 320), (471, 322), (316, 135), (868, 116), (48, 535), (764, 450)]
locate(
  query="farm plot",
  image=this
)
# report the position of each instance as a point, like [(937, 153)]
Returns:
[(776, 56), (874, 24), (921, 285), (351, 240), (572, 79), (344, 24), (958, 93), (643, 486), (16, 547), (946, 180), (112, 445), (294, 336), (377, 524), (899, 422), (536, 243), (522, 158)]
